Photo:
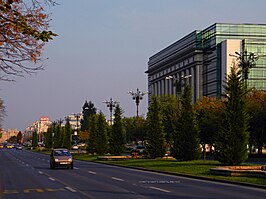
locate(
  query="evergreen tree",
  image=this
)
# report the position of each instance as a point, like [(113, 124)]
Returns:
[(19, 137), (155, 135), (34, 139), (67, 135), (170, 114), (232, 139), (91, 148), (88, 110), (57, 136), (48, 139), (117, 137), (101, 138), (186, 138)]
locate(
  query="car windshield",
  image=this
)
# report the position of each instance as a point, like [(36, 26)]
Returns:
[(61, 153)]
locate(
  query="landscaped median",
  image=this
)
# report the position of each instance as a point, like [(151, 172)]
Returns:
[(196, 168)]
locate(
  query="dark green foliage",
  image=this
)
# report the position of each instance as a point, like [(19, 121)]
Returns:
[(170, 112), (117, 137), (19, 137), (257, 126), (91, 148), (155, 135), (186, 138), (101, 135), (58, 139), (48, 139), (88, 110), (232, 140), (67, 135), (134, 128), (209, 115), (34, 139)]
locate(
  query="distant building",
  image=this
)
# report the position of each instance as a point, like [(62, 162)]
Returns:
[(8, 134), (204, 57), (39, 126), (74, 120)]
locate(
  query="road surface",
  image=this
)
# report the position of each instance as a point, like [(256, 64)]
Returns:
[(25, 174)]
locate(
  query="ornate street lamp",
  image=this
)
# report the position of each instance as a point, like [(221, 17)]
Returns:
[(111, 104), (246, 62), (77, 116), (137, 96), (178, 83)]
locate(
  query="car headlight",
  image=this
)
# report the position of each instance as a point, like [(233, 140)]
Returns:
[(56, 160), (69, 160)]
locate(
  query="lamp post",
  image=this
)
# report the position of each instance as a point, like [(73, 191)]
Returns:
[(54, 124), (111, 104), (178, 83), (137, 96), (246, 62), (77, 116)]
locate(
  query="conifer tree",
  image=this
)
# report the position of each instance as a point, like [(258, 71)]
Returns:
[(101, 138), (34, 139), (117, 137), (48, 139), (91, 148), (155, 135), (67, 135), (232, 140), (186, 138)]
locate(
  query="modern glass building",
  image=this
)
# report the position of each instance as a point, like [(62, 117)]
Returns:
[(202, 59)]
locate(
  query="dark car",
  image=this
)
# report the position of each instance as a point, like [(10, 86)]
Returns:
[(61, 158)]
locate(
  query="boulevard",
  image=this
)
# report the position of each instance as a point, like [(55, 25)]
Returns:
[(26, 174)]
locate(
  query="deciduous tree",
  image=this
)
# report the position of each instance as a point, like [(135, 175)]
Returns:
[(209, 115), (2, 112), (24, 30)]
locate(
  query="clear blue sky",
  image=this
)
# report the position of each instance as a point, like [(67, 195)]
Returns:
[(102, 51)]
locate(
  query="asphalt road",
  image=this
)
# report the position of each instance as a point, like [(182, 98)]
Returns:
[(24, 174)]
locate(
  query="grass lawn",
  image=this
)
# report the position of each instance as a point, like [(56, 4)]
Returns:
[(195, 168)]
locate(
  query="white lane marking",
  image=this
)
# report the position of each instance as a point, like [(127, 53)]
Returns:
[(51, 179), (158, 189), (118, 179), (40, 172), (92, 172), (76, 168), (70, 189)]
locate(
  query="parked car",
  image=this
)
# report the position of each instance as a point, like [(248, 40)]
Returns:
[(75, 147), (1, 146), (138, 150), (18, 147), (9, 146), (61, 158)]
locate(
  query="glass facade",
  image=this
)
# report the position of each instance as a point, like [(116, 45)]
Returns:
[(202, 55), (253, 37)]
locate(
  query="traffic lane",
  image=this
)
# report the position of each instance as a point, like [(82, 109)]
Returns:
[(107, 186), (172, 183), (160, 183), (176, 184), (98, 188), (22, 180)]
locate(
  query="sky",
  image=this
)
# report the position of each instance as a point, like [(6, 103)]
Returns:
[(103, 49)]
